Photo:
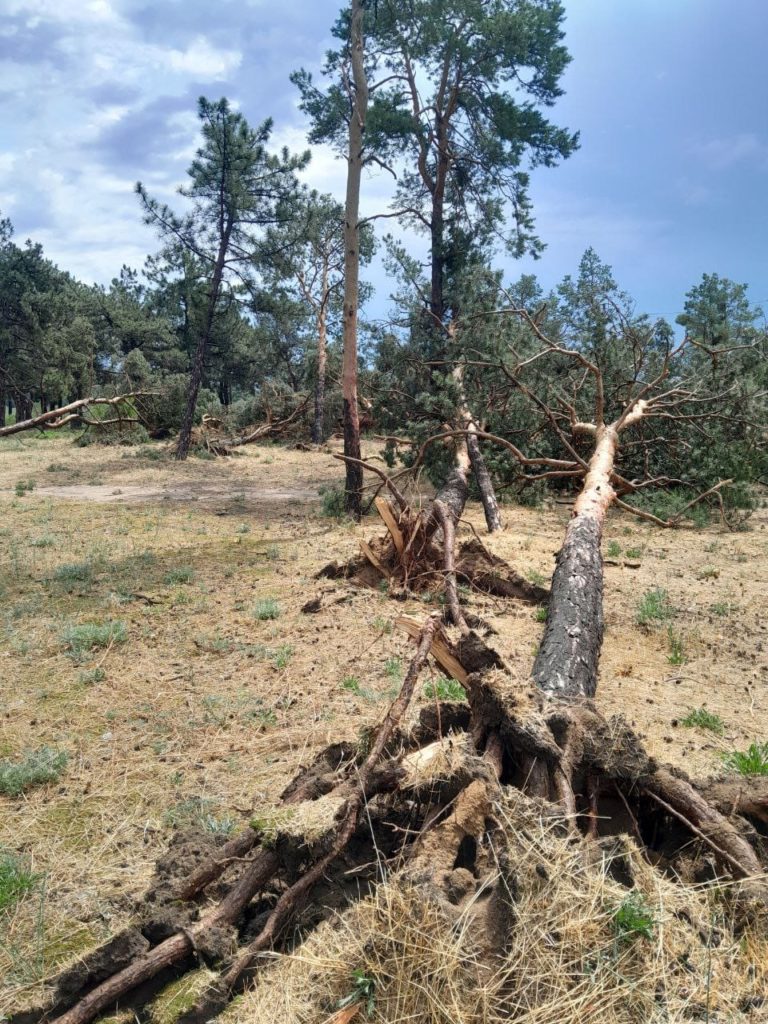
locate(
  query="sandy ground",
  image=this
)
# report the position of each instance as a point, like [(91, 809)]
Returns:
[(206, 709)]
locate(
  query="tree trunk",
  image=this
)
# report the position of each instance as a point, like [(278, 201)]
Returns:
[(354, 472), (479, 468), (318, 426), (567, 661), (196, 376), (2, 405)]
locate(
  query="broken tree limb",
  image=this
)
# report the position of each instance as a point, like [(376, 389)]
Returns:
[(57, 418)]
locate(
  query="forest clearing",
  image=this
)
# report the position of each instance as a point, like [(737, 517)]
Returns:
[(193, 716)]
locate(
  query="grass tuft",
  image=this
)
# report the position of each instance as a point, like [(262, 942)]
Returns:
[(445, 689), (36, 768), (16, 879), (266, 609), (632, 919), (654, 606), (752, 761), (700, 718), (88, 635)]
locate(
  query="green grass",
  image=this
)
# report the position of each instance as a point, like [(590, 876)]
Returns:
[(22, 486), (677, 655), (266, 609), (35, 769), (614, 549), (351, 684), (333, 502), (632, 919), (753, 761), (721, 608), (16, 880), (634, 553), (197, 812), (42, 542), (282, 656), (654, 606), (445, 689), (540, 615), (393, 668), (536, 577), (182, 574), (73, 572), (700, 718), (89, 635), (92, 676)]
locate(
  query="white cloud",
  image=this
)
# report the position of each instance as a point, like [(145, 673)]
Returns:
[(719, 154), (202, 60)]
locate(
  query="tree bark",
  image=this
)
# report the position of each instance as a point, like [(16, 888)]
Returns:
[(479, 468), (567, 662), (196, 376), (318, 426), (359, 98)]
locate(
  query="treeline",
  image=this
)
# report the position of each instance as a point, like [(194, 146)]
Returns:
[(240, 314)]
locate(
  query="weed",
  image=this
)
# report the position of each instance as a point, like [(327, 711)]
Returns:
[(199, 812), (35, 769), (753, 761), (700, 718), (363, 991), (267, 608), (654, 607), (634, 553), (92, 676), (216, 644), (393, 668), (16, 880), (22, 486), (536, 577), (677, 655), (721, 608), (88, 635), (56, 467), (351, 683), (272, 552), (282, 656), (709, 572), (445, 689), (614, 549), (540, 614), (74, 572), (180, 597), (42, 542), (382, 625), (182, 574), (632, 919), (243, 528)]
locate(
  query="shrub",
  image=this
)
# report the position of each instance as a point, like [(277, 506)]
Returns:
[(614, 549), (74, 572), (35, 769), (333, 502), (22, 486), (182, 574), (667, 504)]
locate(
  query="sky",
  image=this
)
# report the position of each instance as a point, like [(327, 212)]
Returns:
[(670, 182)]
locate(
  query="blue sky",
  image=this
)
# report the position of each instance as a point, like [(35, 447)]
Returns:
[(669, 97)]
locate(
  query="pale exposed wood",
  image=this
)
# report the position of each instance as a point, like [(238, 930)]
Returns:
[(438, 650), (385, 511), (366, 549)]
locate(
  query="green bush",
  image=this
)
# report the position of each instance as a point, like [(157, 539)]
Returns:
[(632, 919), (333, 502), (266, 609), (445, 689), (182, 574), (35, 769)]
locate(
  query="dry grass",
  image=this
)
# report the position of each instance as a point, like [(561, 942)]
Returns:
[(205, 712), (567, 961)]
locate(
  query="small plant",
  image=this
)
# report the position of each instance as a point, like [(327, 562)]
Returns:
[(85, 637), (22, 486), (632, 919), (753, 761), (721, 608), (182, 574), (363, 991), (382, 625), (266, 609), (92, 676), (633, 553), (540, 614), (16, 880), (273, 553), (536, 577), (333, 502), (654, 607), (42, 542), (445, 689), (283, 656), (709, 572), (393, 668), (199, 812), (700, 718), (56, 467), (351, 684), (35, 769), (243, 528), (677, 655), (614, 549), (74, 572)]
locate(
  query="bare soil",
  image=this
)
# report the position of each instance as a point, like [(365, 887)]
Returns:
[(208, 707)]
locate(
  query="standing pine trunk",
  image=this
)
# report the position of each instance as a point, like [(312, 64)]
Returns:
[(359, 98), (567, 662), (196, 376), (479, 468), (318, 426)]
